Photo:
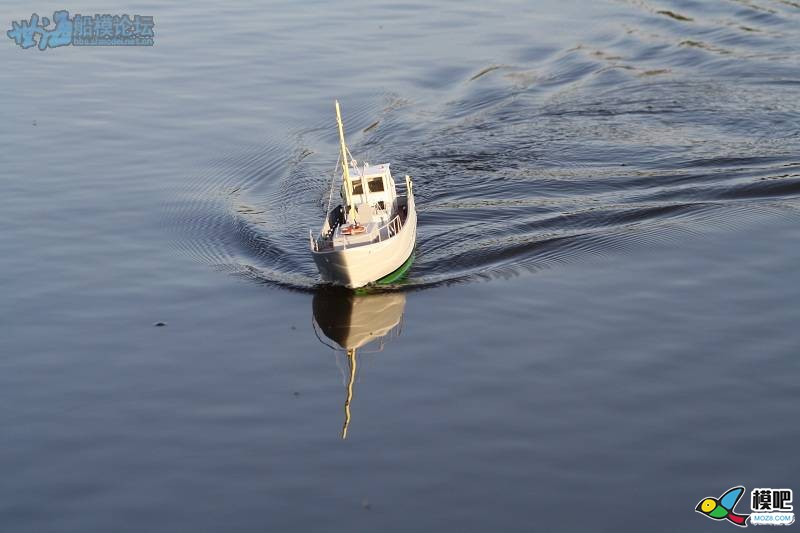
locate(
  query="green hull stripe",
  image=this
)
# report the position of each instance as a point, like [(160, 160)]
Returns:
[(397, 274)]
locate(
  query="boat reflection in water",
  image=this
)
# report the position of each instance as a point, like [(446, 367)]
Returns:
[(349, 322)]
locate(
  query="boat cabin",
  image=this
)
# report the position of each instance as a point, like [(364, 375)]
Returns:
[(373, 193), (374, 213)]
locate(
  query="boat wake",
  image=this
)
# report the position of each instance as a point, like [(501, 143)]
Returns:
[(592, 151)]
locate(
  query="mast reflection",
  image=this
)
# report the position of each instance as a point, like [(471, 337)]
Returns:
[(349, 321)]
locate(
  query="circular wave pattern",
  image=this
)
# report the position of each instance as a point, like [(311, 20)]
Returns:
[(678, 125)]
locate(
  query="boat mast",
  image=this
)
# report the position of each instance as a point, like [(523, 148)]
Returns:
[(348, 193)]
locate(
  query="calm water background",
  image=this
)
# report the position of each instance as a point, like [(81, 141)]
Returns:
[(600, 328)]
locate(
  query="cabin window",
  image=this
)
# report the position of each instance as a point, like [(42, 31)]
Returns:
[(375, 185), (357, 188)]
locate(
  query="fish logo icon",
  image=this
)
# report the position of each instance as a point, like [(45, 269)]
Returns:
[(722, 508)]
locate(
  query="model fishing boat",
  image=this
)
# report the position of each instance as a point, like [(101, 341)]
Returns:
[(370, 236)]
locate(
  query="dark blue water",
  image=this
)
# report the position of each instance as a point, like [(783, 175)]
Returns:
[(599, 329)]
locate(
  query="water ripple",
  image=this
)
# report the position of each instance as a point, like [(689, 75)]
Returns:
[(633, 140)]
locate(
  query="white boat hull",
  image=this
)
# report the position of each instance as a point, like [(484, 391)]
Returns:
[(361, 265)]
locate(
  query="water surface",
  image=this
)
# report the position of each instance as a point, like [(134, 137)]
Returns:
[(598, 331)]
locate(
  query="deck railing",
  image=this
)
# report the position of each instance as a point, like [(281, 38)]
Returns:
[(392, 228), (387, 231)]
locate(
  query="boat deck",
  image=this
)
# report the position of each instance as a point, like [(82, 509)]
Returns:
[(379, 227)]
